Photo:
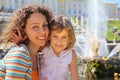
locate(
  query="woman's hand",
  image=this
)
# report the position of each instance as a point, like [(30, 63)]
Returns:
[(16, 36)]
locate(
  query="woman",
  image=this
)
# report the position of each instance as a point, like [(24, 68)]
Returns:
[(20, 62)]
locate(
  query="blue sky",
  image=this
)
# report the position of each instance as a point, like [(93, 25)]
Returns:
[(116, 1)]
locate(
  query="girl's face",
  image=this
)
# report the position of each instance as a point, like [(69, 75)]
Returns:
[(37, 29), (59, 40)]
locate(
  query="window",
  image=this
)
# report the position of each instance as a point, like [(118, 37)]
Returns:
[(16, 1), (69, 11)]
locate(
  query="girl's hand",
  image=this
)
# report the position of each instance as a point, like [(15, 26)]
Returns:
[(16, 36)]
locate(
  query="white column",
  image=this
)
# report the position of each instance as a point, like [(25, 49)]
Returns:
[(116, 13), (55, 6), (66, 8), (19, 2), (13, 4), (6, 2)]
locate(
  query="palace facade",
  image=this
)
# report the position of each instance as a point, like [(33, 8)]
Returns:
[(68, 8)]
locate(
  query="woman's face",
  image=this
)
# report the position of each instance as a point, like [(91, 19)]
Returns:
[(37, 29)]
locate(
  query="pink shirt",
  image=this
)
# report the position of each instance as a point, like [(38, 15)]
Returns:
[(53, 67)]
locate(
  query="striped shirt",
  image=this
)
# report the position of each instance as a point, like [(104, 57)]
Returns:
[(16, 65)]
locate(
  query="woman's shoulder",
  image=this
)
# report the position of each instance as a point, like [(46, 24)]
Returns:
[(20, 47), (18, 50)]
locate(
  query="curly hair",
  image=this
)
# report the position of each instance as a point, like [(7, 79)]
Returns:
[(20, 17)]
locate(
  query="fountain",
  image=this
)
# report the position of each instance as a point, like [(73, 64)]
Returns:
[(91, 44)]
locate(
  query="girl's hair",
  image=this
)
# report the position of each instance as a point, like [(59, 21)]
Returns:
[(61, 22), (20, 17)]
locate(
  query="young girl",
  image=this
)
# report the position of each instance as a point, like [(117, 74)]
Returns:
[(58, 56)]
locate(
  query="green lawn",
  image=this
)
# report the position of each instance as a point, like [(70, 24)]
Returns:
[(111, 25)]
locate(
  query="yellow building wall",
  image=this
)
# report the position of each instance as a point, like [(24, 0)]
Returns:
[(62, 7), (111, 9)]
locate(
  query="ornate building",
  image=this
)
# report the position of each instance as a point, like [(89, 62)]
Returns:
[(112, 10), (65, 7)]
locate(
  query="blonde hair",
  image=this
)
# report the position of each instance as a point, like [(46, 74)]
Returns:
[(61, 22), (20, 17)]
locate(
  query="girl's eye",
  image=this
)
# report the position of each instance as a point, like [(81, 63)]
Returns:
[(64, 37)]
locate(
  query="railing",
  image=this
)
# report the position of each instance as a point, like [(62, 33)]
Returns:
[(5, 16)]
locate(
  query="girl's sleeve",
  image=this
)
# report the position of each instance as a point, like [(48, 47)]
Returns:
[(18, 65)]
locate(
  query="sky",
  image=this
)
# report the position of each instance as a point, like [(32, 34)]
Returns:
[(116, 1)]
